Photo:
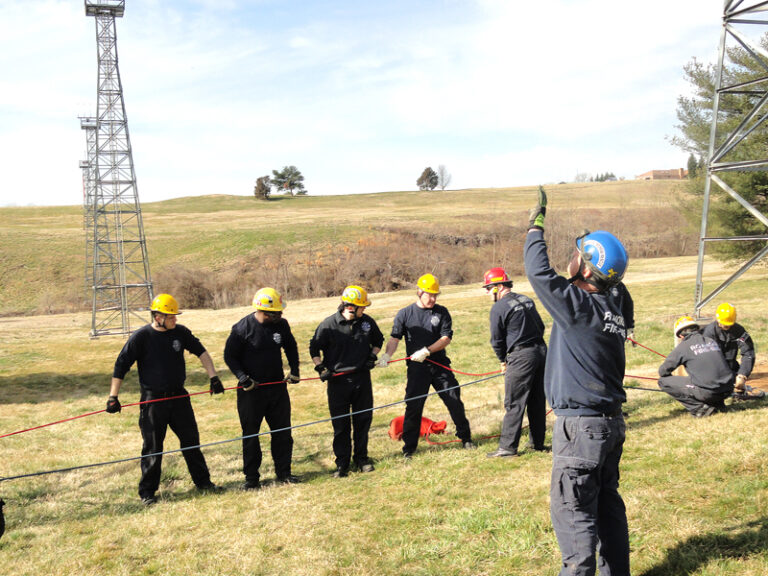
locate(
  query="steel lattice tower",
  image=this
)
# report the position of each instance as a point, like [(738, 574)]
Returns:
[(122, 285), (89, 193), (744, 24)]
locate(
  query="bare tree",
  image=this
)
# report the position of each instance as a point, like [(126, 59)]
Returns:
[(443, 177)]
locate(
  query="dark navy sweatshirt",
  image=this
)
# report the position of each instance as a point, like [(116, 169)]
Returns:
[(585, 363)]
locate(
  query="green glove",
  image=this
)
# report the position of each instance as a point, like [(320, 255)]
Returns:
[(536, 215)]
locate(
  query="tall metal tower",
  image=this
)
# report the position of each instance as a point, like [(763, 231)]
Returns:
[(744, 24), (122, 285), (89, 193)]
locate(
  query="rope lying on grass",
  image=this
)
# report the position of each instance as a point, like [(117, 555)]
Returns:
[(228, 440)]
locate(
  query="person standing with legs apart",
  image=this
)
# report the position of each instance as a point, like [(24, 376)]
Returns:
[(583, 381), (158, 349), (428, 330), (252, 353), (344, 349), (517, 338)]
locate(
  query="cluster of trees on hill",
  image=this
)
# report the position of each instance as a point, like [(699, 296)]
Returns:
[(726, 217), (429, 179), (289, 180)]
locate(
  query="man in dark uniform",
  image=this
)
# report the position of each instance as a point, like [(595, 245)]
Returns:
[(583, 381), (252, 353), (344, 349), (427, 327), (517, 338), (158, 348), (733, 339), (709, 381)]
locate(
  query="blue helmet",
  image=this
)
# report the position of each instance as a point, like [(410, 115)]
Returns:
[(604, 254)]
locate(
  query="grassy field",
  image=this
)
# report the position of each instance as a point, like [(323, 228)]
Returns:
[(696, 490), (215, 251)]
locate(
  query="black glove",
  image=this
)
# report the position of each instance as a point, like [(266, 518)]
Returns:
[(370, 364), (216, 386), (113, 405), (247, 384), (536, 215), (292, 378), (325, 373)]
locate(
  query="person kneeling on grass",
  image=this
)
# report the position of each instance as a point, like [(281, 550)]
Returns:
[(709, 381)]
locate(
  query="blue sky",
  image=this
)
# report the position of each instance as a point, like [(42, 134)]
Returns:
[(360, 96)]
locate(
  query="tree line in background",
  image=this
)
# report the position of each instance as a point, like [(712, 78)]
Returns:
[(726, 215)]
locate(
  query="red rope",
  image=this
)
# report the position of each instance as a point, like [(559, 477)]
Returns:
[(160, 400), (646, 347)]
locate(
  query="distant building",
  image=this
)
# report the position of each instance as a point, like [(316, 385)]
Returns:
[(674, 174)]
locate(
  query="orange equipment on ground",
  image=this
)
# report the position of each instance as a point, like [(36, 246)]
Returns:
[(427, 427)]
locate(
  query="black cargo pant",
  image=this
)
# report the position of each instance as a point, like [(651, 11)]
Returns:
[(587, 511), (420, 377), (350, 393), (154, 420), (270, 402), (524, 390), (696, 400)]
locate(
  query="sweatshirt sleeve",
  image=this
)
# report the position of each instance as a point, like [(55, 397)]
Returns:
[(672, 361), (552, 289), (747, 349), (498, 334)]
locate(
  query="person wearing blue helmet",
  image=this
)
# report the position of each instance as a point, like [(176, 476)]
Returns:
[(583, 382)]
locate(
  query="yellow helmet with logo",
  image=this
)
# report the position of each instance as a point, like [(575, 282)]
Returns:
[(268, 300), (726, 314), (165, 304), (684, 322), (429, 284), (355, 295)]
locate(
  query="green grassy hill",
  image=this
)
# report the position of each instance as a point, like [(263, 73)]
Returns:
[(696, 490), (215, 251)]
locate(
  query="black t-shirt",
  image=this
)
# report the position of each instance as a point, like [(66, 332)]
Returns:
[(423, 327), (160, 357), (253, 349), (345, 344)]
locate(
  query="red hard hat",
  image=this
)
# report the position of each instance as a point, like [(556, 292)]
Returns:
[(495, 276)]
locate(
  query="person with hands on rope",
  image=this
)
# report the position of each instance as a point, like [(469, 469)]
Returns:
[(253, 354), (517, 338), (709, 381), (158, 349), (344, 350), (583, 381), (732, 338), (428, 330)]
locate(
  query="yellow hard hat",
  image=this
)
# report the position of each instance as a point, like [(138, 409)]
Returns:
[(165, 304), (268, 300), (355, 295), (684, 322), (726, 314), (429, 284)]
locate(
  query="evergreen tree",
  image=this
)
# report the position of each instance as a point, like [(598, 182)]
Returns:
[(726, 216), (428, 179), (289, 179), (263, 188)]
